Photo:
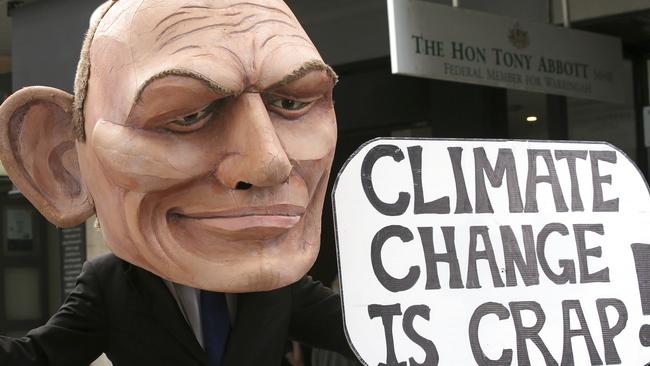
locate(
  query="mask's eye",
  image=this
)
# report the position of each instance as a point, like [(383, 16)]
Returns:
[(287, 106), (192, 122)]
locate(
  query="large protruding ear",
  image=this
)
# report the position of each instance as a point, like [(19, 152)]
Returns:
[(37, 148)]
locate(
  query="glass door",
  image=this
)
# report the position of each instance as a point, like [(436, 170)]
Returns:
[(23, 267)]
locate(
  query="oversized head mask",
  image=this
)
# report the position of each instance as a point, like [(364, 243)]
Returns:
[(201, 133)]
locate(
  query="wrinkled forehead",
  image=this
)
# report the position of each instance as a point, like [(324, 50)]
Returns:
[(234, 42)]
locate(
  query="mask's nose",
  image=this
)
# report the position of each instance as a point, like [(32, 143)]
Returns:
[(254, 154)]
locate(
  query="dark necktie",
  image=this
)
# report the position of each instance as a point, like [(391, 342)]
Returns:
[(215, 324)]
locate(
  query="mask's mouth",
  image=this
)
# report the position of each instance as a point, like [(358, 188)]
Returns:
[(270, 218)]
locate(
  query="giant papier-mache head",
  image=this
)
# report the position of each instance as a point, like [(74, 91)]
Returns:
[(201, 133)]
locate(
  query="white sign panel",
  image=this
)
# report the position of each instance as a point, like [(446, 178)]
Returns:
[(476, 252), (441, 42)]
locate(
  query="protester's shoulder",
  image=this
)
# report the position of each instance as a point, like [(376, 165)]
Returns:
[(307, 286), (308, 281), (106, 264)]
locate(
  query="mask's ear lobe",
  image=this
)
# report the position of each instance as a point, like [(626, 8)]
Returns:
[(37, 148)]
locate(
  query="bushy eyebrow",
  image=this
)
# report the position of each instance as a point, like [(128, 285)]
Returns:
[(302, 71), (297, 74), (215, 87)]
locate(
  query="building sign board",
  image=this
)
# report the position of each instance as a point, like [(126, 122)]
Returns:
[(441, 42), (484, 252)]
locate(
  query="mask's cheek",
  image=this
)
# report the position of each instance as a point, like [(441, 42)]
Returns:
[(310, 138), (315, 174), (145, 161)]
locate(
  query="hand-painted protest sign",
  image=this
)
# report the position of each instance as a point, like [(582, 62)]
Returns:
[(471, 252)]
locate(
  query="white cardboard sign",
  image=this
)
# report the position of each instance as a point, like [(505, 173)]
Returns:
[(477, 252)]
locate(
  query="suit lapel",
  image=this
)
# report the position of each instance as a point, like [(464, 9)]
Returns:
[(165, 311)]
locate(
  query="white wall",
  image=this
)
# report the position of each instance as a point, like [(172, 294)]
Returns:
[(95, 246)]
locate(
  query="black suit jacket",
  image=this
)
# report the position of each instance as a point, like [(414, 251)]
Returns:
[(129, 314)]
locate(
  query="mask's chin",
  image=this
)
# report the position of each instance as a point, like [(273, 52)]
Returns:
[(180, 253)]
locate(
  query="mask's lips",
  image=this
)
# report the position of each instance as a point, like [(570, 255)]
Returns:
[(281, 217)]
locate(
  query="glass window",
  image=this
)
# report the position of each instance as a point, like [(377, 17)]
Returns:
[(615, 123), (23, 284), (19, 226)]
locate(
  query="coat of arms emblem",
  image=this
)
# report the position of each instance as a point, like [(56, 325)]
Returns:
[(518, 37)]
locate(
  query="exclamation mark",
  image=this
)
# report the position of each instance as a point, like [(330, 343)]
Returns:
[(641, 254)]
